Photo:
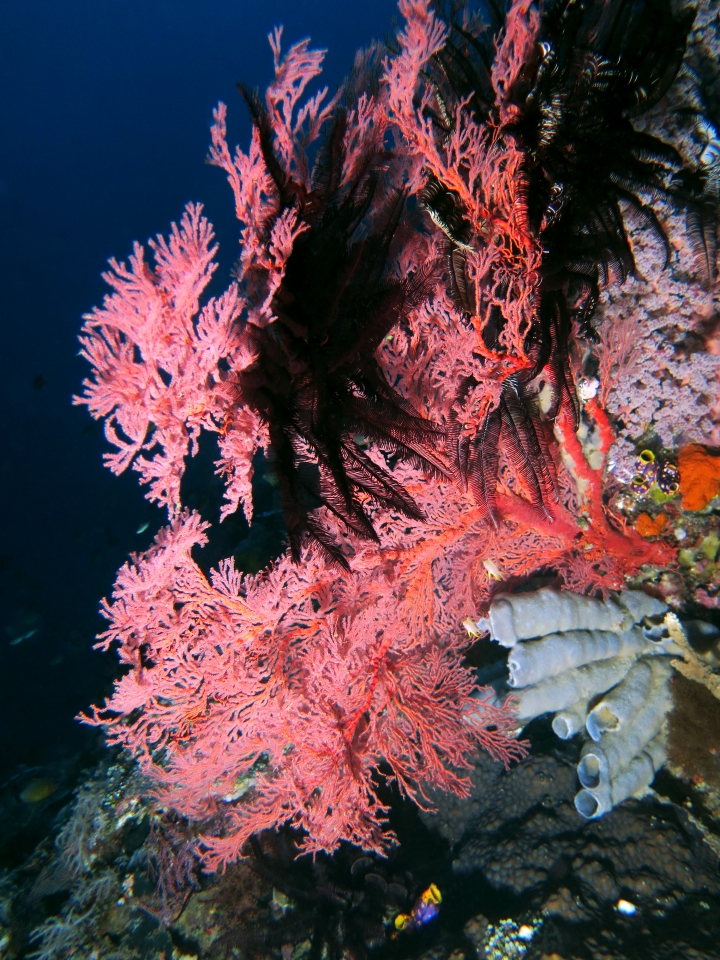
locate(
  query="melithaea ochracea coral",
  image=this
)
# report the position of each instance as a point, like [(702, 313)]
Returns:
[(602, 671)]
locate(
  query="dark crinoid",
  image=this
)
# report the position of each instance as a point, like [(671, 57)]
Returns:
[(316, 381), (596, 64), (702, 185), (515, 422)]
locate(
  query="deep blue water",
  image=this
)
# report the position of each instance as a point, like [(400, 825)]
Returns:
[(105, 109)]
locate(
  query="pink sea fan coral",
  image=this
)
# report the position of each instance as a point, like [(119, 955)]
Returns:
[(285, 697), (279, 698), (156, 358)]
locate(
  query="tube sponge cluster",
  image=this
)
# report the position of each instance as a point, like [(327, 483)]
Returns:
[(593, 664)]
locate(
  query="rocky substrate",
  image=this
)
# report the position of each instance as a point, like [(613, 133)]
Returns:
[(642, 881)]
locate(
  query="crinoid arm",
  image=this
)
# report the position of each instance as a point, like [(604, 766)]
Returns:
[(315, 379)]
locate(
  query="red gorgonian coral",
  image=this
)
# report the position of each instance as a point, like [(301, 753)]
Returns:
[(398, 399)]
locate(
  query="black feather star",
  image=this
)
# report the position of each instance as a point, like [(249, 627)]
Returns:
[(596, 64), (701, 187), (316, 382)]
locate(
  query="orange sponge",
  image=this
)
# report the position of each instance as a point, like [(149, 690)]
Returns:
[(648, 526), (699, 476)]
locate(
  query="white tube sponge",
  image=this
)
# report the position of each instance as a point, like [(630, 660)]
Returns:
[(634, 781), (639, 605), (559, 693), (520, 616), (568, 722), (593, 804), (657, 748), (536, 660), (601, 762), (621, 705)]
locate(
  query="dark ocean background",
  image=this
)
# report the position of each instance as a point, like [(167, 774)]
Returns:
[(105, 112)]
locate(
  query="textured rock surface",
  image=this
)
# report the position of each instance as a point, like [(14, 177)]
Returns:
[(520, 834)]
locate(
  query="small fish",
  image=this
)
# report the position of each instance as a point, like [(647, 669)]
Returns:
[(426, 909), (271, 478), (23, 636), (280, 902), (493, 570), (471, 627), (38, 790), (143, 527)]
